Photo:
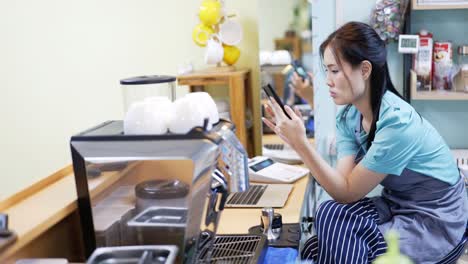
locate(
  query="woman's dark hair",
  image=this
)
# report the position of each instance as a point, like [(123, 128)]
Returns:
[(354, 43)]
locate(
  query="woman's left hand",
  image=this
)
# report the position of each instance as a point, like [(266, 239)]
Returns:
[(291, 131), (303, 88)]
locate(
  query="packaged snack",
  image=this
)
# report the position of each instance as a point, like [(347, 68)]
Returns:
[(463, 66), (442, 65), (422, 61)]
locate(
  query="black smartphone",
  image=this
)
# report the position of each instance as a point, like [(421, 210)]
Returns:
[(300, 70), (272, 93)]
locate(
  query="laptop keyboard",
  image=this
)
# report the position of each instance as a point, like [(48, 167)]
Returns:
[(250, 197), (274, 146)]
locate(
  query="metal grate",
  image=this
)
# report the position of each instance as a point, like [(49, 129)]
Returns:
[(233, 249), (274, 146), (461, 156), (250, 197)]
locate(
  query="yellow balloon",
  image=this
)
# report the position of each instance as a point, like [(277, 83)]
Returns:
[(201, 33), (231, 54), (210, 12)]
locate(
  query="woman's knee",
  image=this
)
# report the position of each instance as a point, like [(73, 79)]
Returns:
[(325, 209)]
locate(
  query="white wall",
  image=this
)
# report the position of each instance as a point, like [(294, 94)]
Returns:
[(323, 24), (274, 19), (61, 62), (362, 13)]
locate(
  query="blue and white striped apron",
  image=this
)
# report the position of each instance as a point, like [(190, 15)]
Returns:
[(346, 233), (429, 215)]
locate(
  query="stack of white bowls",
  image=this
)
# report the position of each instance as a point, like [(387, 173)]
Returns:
[(158, 115), (223, 109)]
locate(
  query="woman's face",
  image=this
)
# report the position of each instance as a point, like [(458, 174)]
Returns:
[(347, 84)]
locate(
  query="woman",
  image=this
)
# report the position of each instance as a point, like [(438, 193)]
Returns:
[(303, 88), (380, 140)]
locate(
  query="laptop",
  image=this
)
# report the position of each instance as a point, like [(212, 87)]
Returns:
[(282, 153), (261, 195)]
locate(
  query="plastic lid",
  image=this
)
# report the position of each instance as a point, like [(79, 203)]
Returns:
[(148, 79), (161, 189)]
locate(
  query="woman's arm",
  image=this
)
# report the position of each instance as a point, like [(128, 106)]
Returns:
[(303, 88), (347, 183)]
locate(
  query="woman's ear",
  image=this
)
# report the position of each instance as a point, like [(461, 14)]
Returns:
[(366, 69)]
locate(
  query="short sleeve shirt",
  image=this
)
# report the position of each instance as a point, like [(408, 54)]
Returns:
[(403, 140)]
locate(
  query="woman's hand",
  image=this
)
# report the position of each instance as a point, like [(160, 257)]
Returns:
[(292, 131), (305, 89)]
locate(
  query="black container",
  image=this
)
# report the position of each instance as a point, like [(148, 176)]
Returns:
[(160, 193)]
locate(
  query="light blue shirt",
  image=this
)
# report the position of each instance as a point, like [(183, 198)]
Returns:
[(403, 140)]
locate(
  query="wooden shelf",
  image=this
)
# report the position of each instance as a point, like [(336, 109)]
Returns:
[(435, 95), (439, 95), (416, 6), (291, 44)]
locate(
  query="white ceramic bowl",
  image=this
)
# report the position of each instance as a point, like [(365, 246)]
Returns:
[(145, 118), (207, 104), (164, 105), (187, 115), (265, 57), (280, 57)]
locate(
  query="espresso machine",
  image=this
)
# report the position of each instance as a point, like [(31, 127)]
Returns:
[(136, 191)]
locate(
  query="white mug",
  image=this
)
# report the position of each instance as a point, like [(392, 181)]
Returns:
[(214, 52), (230, 32)]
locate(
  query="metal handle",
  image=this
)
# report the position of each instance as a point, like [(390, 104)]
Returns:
[(267, 221), (220, 184)]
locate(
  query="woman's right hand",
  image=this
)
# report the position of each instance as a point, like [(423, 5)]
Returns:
[(305, 89), (291, 131)]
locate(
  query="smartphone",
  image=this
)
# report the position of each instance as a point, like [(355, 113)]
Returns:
[(300, 70), (271, 93)]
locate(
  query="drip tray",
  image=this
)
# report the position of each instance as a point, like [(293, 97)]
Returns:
[(160, 216), (134, 255), (289, 237), (239, 249)]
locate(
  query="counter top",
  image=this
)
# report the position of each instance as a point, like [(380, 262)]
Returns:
[(239, 220), (38, 208)]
